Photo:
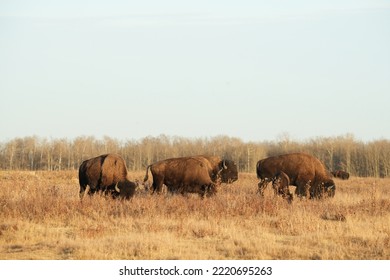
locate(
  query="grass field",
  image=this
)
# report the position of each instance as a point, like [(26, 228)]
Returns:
[(41, 217)]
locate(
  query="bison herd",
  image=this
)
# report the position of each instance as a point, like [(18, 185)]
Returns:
[(201, 175)]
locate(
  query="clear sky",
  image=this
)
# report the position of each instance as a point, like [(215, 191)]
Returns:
[(248, 69)]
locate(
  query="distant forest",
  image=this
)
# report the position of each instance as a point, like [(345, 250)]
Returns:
[(363, 159)]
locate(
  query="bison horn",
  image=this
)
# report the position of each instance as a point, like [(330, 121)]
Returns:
[(116, 188), (224, 164)]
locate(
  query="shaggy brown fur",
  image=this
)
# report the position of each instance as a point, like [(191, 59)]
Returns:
[(305, 172), (106, 173)]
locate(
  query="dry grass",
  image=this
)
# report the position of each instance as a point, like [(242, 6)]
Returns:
[(41, 217)]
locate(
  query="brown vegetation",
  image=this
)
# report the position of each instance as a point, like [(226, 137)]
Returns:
[(41, 217)]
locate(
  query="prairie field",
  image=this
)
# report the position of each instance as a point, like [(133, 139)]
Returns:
[(41, 217)]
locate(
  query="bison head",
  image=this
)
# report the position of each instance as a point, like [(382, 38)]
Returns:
[(125, 189), (229, 172), (327, 188)]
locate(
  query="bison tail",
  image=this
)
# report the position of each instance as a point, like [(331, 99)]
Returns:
[(146, 175)]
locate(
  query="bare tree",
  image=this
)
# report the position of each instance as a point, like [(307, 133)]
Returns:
[(343, 152)]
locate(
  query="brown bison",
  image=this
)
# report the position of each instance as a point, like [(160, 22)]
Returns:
[(106, 173), (340, 174), (304, 171), (197, 174)]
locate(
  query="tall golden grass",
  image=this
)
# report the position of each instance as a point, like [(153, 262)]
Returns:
[(41, 217)]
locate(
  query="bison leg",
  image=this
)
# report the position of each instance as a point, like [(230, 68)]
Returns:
[(206, 190), (306, 189), (211, 189), (262, 185), (157, 184), (303, 189)]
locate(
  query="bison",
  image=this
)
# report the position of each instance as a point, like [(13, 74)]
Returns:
[(106, 173), (197, 174), (304, 171), (340, 174)]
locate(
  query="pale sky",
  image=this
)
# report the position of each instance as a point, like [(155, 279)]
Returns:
[(248, 69)]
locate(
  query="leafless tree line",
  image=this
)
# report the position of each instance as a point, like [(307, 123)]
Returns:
[(365, 159)]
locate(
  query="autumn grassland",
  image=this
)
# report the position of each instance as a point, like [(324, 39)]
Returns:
[(41, 217)]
